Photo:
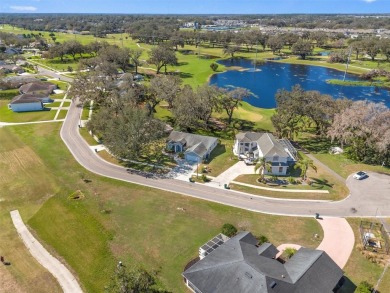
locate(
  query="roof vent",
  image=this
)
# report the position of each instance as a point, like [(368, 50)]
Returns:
[(283, 276), (248, 275), (273, 284)]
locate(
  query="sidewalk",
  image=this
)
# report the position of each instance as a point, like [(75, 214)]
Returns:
[(67, 281)]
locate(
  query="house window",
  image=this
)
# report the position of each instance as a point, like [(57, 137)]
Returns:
[(280, 169), (247, 144), (275, 158)]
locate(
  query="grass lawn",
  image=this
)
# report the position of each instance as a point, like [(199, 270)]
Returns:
[(339, 163), (21, 188), (87, 137), (277, 194), (221, 159), (117, 220), (7, 115), (9, 94), (62, 114), (66, 104), (54, 104)]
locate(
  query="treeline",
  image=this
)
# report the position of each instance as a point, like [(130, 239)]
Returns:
[(362, 127), (112, 23)]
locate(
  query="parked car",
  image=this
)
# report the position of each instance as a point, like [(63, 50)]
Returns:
[(249, 162), (360, 175)]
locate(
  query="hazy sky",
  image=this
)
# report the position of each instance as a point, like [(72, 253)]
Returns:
[(196, 6)]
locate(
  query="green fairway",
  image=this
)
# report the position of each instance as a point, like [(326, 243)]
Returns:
[(116, 220)]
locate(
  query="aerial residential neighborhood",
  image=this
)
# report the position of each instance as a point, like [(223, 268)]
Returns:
[(203, 146)]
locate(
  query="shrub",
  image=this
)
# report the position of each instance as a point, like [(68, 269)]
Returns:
[(204, 178), (291, 180), (262, 239), (289, 252), (364, 287), (214, 66), (228, 230)]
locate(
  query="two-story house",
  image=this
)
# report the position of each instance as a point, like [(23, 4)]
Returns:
[(256, 145)]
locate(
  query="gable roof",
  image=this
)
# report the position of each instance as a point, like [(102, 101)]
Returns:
[(267, 143), (27, 98), (238, 265), (198, 144), (33, 87)]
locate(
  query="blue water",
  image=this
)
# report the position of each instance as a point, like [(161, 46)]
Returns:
[(271, 76)]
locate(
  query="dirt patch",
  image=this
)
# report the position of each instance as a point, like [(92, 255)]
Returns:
[(7, 282)]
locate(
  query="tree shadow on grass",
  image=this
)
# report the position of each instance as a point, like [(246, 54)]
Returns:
[(319, 145), (319, 183), (185, 75), (219, 150)]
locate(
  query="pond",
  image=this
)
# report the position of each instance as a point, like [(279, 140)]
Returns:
[(266, 79)]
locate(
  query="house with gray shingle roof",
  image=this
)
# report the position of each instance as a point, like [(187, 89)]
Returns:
[(194, 146), (45, 88), (27, 102), (256, 145), (240, 265)]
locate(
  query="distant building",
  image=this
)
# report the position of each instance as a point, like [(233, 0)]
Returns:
[(240, 265)]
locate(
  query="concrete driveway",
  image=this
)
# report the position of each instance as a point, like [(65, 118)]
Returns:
[(237, 169)]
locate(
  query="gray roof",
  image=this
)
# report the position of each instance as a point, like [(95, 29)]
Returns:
[(268, 144), (37, 87), (198, 144), (27, 98), (239, 265)]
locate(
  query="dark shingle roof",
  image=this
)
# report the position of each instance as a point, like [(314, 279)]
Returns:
[(27, 98), (38, 87), (239, 265)]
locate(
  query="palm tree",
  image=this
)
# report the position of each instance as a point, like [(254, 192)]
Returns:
[(304, 165), (261, 166)]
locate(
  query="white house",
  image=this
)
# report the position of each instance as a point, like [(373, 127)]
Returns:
[(256, 145), (195, 147), (27, 102)]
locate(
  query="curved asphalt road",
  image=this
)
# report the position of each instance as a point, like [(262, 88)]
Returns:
[(368, 197)]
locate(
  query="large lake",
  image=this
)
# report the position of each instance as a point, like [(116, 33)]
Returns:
[(266, 79)]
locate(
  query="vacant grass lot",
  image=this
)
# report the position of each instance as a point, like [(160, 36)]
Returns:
[(122, 221), (338, 163), (21, 187), (7, 115)]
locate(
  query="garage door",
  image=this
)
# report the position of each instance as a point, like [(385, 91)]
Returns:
[(192, 158)]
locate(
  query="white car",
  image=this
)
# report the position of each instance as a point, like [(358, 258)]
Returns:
[(249, 162), (360, 175)]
